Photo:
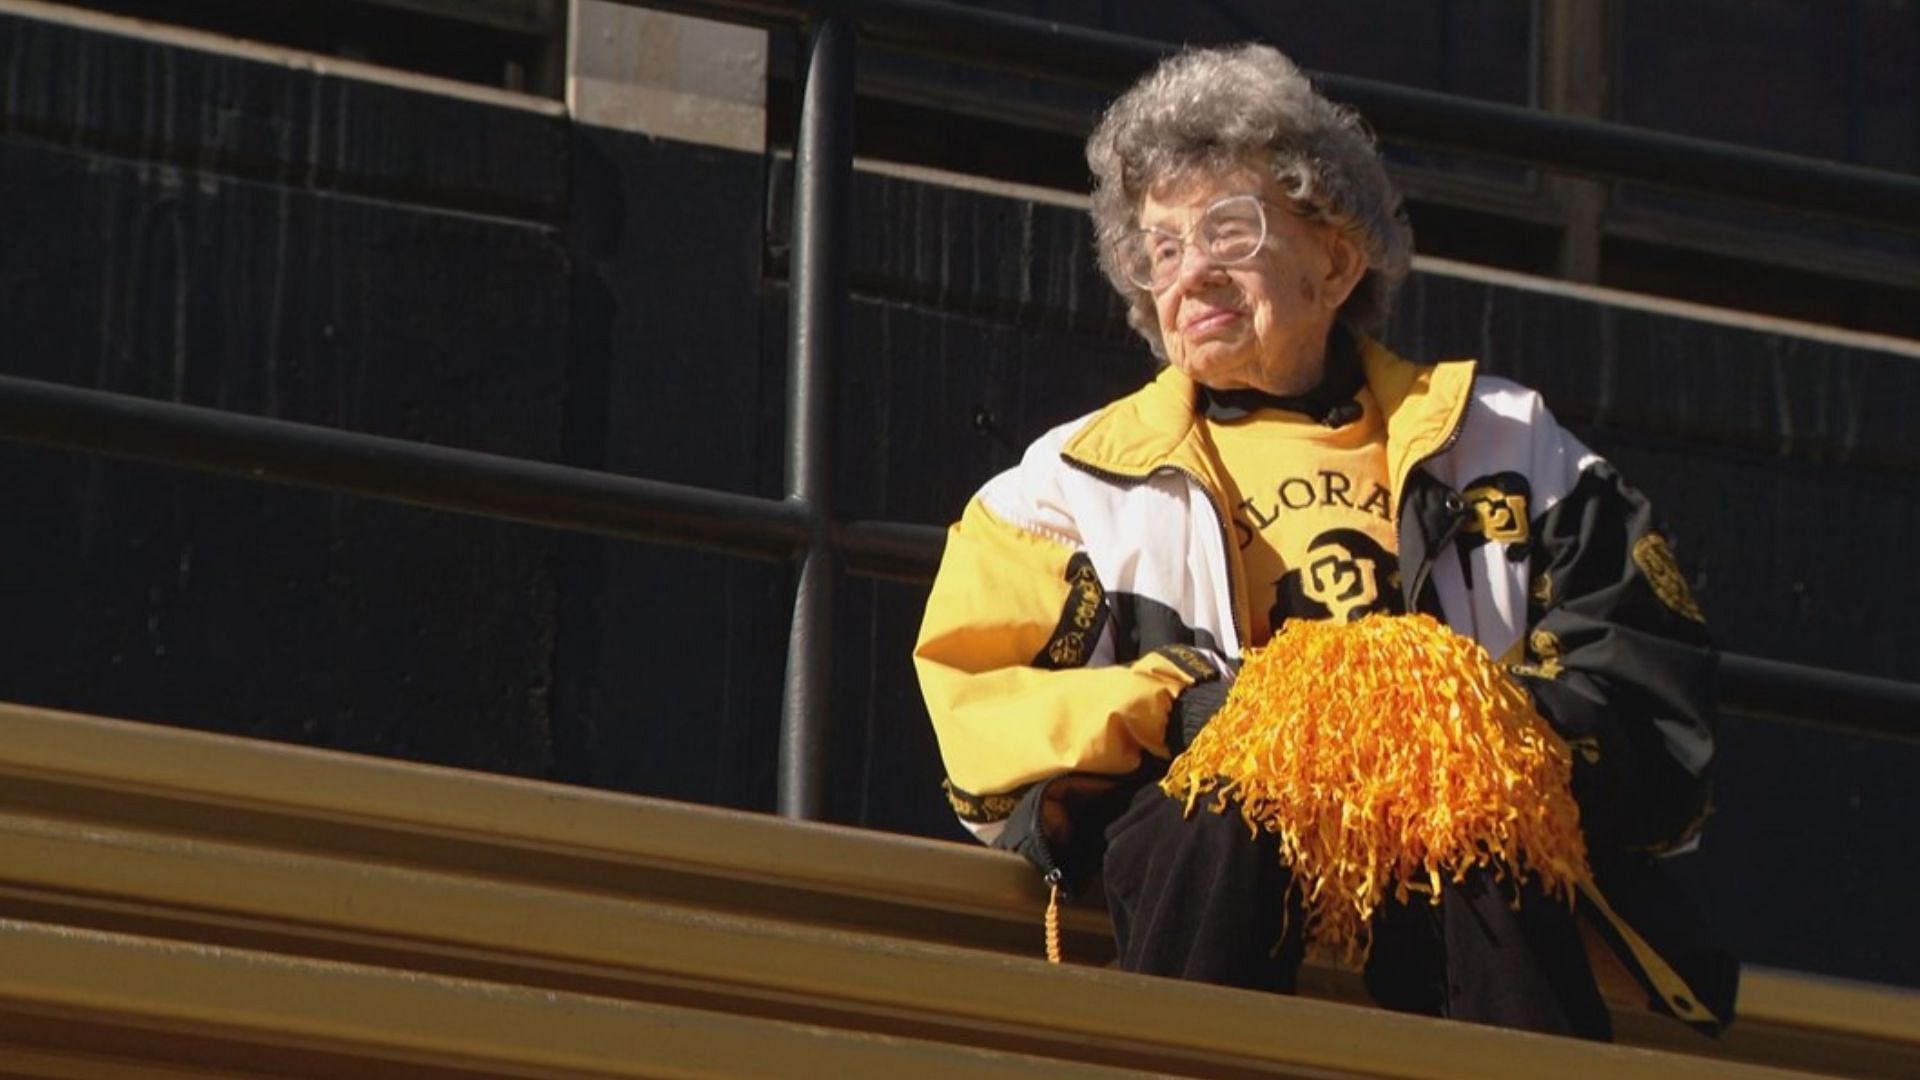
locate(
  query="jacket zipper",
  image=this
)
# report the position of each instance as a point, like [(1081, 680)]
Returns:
[(1219, 521), (1425, 570)]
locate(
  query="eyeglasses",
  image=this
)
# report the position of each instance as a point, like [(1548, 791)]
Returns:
[(1228, 233)]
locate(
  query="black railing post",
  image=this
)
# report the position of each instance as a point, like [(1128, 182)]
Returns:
[(822, 181)]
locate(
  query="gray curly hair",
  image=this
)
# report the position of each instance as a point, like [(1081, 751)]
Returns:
[(1213, 110)]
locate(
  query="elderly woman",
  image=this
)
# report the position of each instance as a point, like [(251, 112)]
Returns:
[(1093, 601)]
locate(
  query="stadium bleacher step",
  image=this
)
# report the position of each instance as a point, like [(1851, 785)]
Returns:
[(278, 910)]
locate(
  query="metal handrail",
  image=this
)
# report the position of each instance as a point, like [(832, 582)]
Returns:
[(472, 482), (822, 235), (1763, 689), (131, 428), (1103, 60), (479, 484)]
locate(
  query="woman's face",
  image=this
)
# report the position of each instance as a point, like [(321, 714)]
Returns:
[(1262, 323)]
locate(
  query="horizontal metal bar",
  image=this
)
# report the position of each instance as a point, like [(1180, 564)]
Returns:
[(1826, 699), (129, 428), (891, 549), (580, 500), (1702, 168), (1060, 53), (396, 470)]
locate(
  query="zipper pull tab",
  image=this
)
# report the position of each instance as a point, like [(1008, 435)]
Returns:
[(1053, 879)]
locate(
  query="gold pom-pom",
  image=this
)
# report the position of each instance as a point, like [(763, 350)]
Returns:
[(1389, 755)]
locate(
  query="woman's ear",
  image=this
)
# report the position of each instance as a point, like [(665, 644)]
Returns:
[(1346, 265)]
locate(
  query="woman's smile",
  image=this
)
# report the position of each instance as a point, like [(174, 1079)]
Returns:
[(1209, 322)]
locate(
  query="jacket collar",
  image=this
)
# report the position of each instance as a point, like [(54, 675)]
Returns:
[(1156, 426)]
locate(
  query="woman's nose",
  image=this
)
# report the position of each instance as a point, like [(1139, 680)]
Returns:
[(1195, 265)]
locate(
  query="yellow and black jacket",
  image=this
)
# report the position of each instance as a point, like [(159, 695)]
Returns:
[(1085, 589)]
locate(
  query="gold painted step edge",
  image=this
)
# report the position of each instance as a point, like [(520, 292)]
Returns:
[(301, 1006), (332, 798), (222, 774), (637, 949)]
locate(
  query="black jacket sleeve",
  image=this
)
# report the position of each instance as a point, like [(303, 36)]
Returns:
[(1619, 661)]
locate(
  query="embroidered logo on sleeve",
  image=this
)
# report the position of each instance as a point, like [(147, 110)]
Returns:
[(1655, 559), (1542, 591), (1191, 661), (979, 809), (1544, 645), (1082, 618)]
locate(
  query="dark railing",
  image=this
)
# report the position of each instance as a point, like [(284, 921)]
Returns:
[(800, 526), (485, 485), (823, 179), (1102, 60)]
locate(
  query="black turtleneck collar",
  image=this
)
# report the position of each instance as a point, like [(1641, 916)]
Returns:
[(1331, 403)]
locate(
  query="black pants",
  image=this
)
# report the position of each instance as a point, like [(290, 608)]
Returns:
[(1202, 898)]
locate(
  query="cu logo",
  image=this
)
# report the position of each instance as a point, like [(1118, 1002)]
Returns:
[(1496, 510), (1497, 515), (1343, 575), (1339, 580)]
